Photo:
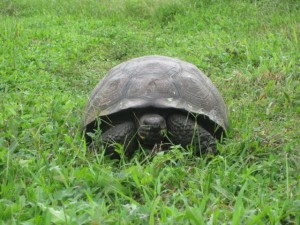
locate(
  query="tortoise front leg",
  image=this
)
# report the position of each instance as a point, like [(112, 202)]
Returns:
[(184, 130), (122, 133)]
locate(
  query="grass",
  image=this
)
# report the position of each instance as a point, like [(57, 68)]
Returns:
[(52, 54)]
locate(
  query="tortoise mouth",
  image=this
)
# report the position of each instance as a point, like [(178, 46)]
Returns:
[(150, 135)]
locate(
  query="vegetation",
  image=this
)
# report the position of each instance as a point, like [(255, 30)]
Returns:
[(52, 54)]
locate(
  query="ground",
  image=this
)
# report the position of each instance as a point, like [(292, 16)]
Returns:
[(53, 53)]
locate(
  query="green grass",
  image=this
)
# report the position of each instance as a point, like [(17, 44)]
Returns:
[(52, 54)]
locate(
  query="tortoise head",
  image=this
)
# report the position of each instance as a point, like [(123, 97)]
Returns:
[(151, 128)]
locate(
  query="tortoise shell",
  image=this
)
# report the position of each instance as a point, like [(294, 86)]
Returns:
[(159, 82)]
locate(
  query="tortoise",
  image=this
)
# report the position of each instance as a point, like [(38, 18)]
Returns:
[(154, 100)]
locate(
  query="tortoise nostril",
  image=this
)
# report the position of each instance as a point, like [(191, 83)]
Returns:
[(153, 122)]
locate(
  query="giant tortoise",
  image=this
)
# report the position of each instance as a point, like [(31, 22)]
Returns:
[(155, 100)]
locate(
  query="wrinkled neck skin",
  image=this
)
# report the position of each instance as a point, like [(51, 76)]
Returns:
[(151, 125)]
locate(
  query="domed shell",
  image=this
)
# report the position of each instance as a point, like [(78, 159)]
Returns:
[(156, 81)]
